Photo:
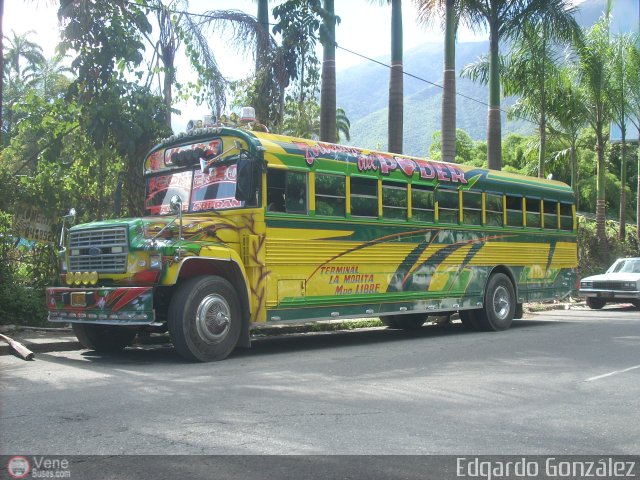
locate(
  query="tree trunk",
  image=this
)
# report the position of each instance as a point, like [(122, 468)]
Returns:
[(543, 144), (328, 129), (543, 110), (638, 188), (396, 91), (494, 126), (449, 86), (622, 233), (168, 55), (574, 171), (260, 101), (601, 202), (1, 66)]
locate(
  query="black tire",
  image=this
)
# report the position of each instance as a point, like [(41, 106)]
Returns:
[(204, 319), (499, 304), (469, 319), (405, 322), (595, 303), (103, 338)]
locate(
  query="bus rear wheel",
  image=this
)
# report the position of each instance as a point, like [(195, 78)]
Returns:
[(404, 322), (499, 304), (469, 319), (103, 338), (204, 319)]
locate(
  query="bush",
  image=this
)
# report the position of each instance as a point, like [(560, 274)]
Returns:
[(24, 272), (589, 259)]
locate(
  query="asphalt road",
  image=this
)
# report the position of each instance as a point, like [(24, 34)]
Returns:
[(561, 382)]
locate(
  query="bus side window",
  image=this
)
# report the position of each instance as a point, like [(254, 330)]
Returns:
[(472, 208), (448, 205), (364, 197), (286, 191), (533, 212), (514, 211), (566, 217), (275, 190), (330, 195), (394, 200), (494, 210), (550, 214), (422, 204), (296, 192)]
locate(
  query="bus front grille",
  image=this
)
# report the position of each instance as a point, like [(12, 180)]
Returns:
[(102, 250)]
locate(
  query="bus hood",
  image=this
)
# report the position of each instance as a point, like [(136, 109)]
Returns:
[(166, 230)]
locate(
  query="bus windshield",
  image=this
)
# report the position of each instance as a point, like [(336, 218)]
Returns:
[(214, 190)]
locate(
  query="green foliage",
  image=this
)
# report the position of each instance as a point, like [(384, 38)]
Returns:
[(590, 259), (298, 22), (23, 273), (468, 152), (301, 119)]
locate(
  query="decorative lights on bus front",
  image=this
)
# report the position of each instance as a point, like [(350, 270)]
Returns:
[(81, 278)]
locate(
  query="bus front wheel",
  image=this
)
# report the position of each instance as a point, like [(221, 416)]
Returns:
[(204, 319), (103, 338), (499, 304)]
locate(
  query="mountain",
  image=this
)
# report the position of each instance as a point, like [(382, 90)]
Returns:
[(362, 90)]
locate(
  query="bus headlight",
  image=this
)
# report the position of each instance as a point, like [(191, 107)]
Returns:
[(84, 277), (93, 278)]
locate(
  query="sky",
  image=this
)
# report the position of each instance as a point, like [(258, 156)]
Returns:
[(370, 37)]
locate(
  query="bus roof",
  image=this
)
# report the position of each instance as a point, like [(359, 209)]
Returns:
[(291, 152)]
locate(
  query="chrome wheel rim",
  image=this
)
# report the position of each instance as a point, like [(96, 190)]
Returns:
[(501, 302), (213, 318)]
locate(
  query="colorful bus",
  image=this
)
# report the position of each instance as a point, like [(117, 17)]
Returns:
[(246, 228)]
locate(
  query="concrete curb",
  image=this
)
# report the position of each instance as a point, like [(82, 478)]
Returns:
[(53, 346)]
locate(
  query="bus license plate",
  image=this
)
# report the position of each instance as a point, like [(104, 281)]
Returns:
[(78, 299)]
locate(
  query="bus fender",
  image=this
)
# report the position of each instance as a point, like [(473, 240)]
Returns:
[(230, 269)]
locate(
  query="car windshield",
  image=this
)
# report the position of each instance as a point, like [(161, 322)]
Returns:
[(625, 265)]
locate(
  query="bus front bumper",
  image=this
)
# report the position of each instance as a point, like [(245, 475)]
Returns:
[(104, 305)]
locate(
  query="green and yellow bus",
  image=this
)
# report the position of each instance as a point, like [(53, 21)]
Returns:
[(246, 228)]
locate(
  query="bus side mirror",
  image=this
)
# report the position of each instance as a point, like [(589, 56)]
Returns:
[(249, 173)]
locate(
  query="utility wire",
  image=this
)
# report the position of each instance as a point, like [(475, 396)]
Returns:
[(206, 16)]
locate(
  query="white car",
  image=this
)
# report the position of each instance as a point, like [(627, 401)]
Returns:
[(619, 284)]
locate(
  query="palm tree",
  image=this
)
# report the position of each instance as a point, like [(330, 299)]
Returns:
[(395, 127), (49, 77), (19, 49), (634, 89), (244, 32), (22, 59), (620, 100), (1, 64), (450, 11), (343, 125), (271, 78), (328, 87), (396, 85), (567, 116), (595, 80), (531, 65), (505, 19)]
